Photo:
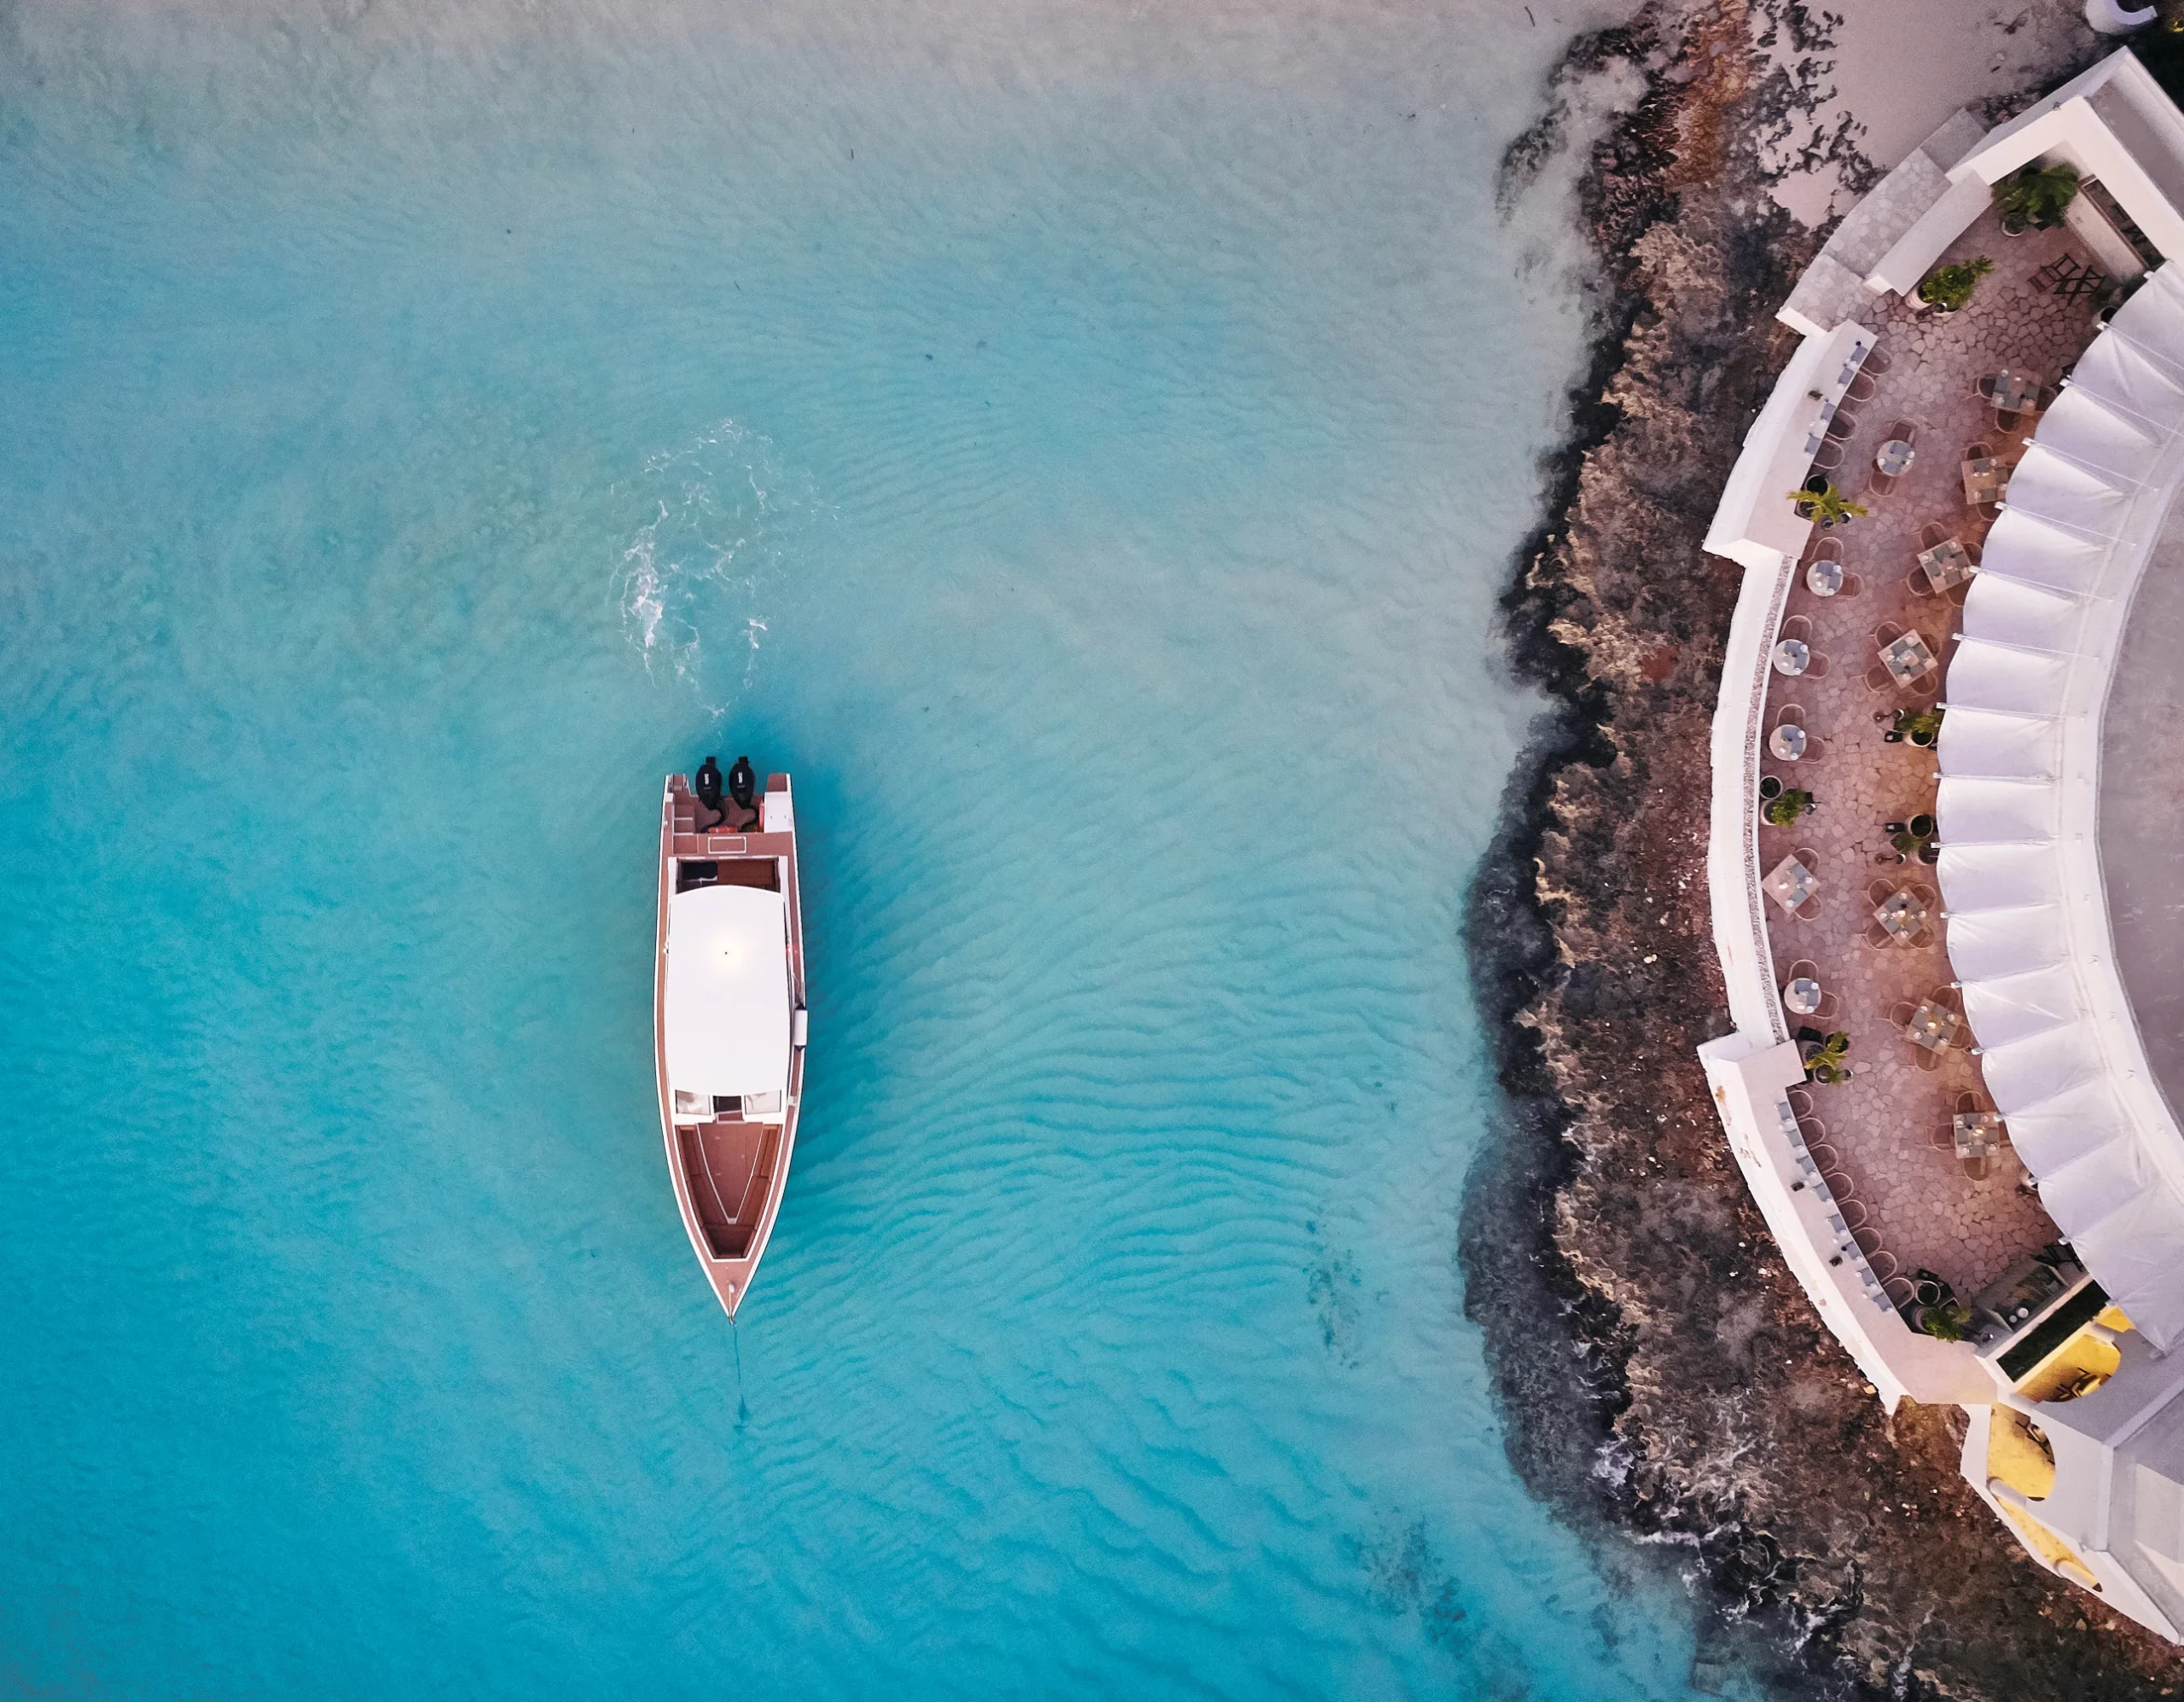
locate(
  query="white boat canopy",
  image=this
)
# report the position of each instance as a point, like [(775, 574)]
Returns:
[(728, 991), (2029, 931)]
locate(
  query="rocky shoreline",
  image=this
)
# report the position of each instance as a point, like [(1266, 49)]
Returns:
[(1663, 1375)]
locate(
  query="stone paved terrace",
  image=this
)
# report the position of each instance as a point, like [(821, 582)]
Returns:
[(1921, 1209)]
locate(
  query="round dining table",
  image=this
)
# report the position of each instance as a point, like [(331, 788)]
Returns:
[(1792, 656), (1895, 457), (1801, 996), (1787, 741), (1824, 578)]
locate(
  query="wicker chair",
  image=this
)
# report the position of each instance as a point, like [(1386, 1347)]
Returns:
[(1860, 389), (1879, 679), (1877, 360), (1852, 586), (2056, 270), (1841, 423), (1932, 534), (1829, 455), (2087, 282)]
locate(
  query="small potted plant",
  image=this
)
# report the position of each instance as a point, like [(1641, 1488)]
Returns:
[(1948, 1321), (1921, 727), (1825, 1063), (1946, 288), (1784, 808), (1826, 504), (2036, 198), (1770, 787)]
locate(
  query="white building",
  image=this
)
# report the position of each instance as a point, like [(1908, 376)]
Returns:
[(2077, 1437)]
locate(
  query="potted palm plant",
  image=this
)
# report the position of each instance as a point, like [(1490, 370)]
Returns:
[(2036, 198), (1825, 1063), (1826, 504), (1784, 807), (1946, 1322), (1920, 726), (1946, 288)]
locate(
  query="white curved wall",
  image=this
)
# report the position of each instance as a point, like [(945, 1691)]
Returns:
[(2027, 915)]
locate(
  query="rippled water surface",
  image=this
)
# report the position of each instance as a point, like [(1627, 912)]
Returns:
[(1083, 445)]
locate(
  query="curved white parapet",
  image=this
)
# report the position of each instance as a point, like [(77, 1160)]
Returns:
[(2112, 20), (2027, 914)]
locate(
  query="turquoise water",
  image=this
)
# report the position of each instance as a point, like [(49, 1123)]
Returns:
[(1083, 445)]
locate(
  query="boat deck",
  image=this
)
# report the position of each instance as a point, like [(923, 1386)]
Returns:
[(729, 1167)]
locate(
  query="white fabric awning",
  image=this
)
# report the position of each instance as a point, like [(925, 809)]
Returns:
[(727, 1016), (2028, 927)]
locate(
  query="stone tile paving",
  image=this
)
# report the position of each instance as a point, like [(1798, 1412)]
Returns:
[(1924, 1209)]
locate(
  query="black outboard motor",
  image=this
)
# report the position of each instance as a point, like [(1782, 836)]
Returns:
[(709, 783), (742, 782)]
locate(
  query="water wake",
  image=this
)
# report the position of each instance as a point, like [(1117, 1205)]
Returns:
[(725, 513)]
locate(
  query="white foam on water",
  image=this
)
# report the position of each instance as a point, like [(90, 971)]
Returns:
[(725, 517)]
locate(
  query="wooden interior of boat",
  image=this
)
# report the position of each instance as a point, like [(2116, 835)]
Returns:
[(763, 872), (728, 1165)]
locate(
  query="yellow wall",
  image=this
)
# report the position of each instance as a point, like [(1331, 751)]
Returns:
[(2083, 1355), (2018, 1455)]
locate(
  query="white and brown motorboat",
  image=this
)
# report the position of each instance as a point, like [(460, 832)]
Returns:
[(728, 1020)]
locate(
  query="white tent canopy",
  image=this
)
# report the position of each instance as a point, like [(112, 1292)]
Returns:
[(2028, 934), (728, 993)]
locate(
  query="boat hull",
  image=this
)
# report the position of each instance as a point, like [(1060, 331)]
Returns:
[(729, 1168)]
